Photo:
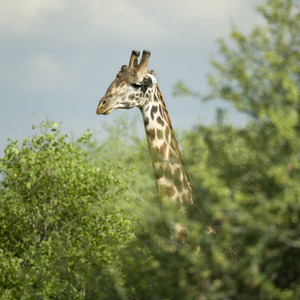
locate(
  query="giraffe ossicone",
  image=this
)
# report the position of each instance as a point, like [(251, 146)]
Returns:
[(136, 86)]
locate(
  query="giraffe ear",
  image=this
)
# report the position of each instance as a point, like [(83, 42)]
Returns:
[(146, 83)]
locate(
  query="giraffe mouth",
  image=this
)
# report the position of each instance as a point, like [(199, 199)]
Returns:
[(103, 108), (107, 112), (100, 111)]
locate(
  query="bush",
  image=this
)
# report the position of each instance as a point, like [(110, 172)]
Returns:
[(61, 229)]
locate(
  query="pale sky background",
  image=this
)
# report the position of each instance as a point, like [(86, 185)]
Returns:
[(59, 56)]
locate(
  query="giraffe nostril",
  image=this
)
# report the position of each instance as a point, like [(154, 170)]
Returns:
[(103, 102)]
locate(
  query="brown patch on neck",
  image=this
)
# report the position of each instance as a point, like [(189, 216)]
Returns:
[(150, 134)]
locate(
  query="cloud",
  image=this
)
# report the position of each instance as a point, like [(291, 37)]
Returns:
[(39, 73), (124, 19), (194, 20), (71, 18), (18, 17), (47, 73), (43, 39), (120, 20)]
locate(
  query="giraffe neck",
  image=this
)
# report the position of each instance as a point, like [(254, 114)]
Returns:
[(172, 180)]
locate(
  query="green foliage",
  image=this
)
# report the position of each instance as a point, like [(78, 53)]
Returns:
[(61, 229), (249, 178), (253, 199), (260, 75)]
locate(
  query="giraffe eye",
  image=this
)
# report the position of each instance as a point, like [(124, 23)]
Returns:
[(136, 85)]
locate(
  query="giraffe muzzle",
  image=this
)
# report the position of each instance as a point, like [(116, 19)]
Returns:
[(104, 107)]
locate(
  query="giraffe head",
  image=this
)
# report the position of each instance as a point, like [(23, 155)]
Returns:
[(132, 87)]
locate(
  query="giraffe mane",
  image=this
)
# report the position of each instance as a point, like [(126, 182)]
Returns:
[(168, 120)]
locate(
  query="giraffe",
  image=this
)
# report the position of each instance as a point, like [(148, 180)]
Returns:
[(136, 86)]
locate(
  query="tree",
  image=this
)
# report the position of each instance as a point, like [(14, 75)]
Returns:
[(249, 177), (61, 229)]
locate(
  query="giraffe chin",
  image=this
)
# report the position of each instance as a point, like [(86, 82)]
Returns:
[(107, 112)]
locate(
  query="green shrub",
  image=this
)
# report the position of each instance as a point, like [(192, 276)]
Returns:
[(61, 229)]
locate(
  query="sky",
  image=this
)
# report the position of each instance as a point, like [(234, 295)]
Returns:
[(58, 57)]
